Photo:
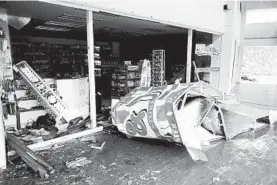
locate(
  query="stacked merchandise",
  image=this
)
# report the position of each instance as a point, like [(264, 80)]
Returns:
[(97, 61), (158, 68), (125, 78), (98, 75)]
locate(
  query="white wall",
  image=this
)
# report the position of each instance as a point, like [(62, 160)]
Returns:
[(261, 42), (202, 15), (262, 94), (231, 42)]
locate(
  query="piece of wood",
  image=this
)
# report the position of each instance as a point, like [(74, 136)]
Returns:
[(189, 50), (63, 139), (90, 43), (36, 167), (29, 152)]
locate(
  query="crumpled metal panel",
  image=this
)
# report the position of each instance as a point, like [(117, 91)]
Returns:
[(237, 123), (173, 113)]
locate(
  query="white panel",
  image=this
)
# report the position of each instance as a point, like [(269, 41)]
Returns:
[(260, 42)]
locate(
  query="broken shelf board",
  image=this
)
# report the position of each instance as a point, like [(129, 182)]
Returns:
[(63, 139), (48, 144)]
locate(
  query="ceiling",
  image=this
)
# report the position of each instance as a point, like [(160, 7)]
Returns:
[(263, 16), (105, 23), (261, 4)]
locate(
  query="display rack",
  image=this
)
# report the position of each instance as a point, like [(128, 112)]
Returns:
[(203, 62), (158, 68), (47, 97), (125, 78), (55, 60)]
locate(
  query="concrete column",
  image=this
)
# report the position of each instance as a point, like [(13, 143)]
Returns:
[(90, 44), (230, 41), (238, 62), (189, 50)]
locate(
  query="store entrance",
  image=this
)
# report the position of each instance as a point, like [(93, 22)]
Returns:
[(54, 44)]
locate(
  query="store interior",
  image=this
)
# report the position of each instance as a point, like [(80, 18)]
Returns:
[(53, 41)]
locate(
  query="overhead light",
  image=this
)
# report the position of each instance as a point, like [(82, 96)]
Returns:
[(65, 24), (76, 18), (72, 17), (96, 20), (51, 28), (154, 30)]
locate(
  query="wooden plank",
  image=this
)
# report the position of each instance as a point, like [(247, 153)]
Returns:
[(28, 151), (63, 139), (90, 42), (189, 50), (35, 165)]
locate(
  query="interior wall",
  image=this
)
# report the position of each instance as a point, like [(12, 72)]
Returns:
[(261, 94), (261, 42), (140, 48)]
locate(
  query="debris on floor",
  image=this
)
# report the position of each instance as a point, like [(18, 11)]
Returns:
[(79, 162), (89, 139), (216, 179), (38, 164), (98, 147)]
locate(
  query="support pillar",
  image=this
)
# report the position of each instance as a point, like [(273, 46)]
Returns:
[(189, 50), (238, 62), (230, 42), (90, 44)]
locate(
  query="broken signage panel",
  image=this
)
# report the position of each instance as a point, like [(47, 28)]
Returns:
[(176, 113), (46, 96)]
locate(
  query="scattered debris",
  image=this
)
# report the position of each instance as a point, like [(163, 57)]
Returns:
[(34, 161), (97, 147), (216, 179), (56, 146), (40, 132), (132, 161), (89, 139), (63, 139), (45, 122), (103, 167), (113, 164), (79, 162)]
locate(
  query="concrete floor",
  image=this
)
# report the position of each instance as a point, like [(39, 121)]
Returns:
[(249, 159)]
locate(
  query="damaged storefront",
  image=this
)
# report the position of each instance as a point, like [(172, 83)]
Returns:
[(72, 70)]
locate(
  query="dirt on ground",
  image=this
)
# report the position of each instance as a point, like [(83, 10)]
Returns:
[(248, 159)]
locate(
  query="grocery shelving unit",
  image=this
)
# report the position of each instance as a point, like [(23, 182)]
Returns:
[(125, 78)]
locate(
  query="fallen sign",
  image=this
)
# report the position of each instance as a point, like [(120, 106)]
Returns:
[(191, 114), (49, 99), (37, 164)]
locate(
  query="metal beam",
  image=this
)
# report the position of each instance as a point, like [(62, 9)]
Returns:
[(189, 50), (90, 44)]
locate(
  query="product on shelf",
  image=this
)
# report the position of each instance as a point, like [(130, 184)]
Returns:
[(125, 78), (158, 67)]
